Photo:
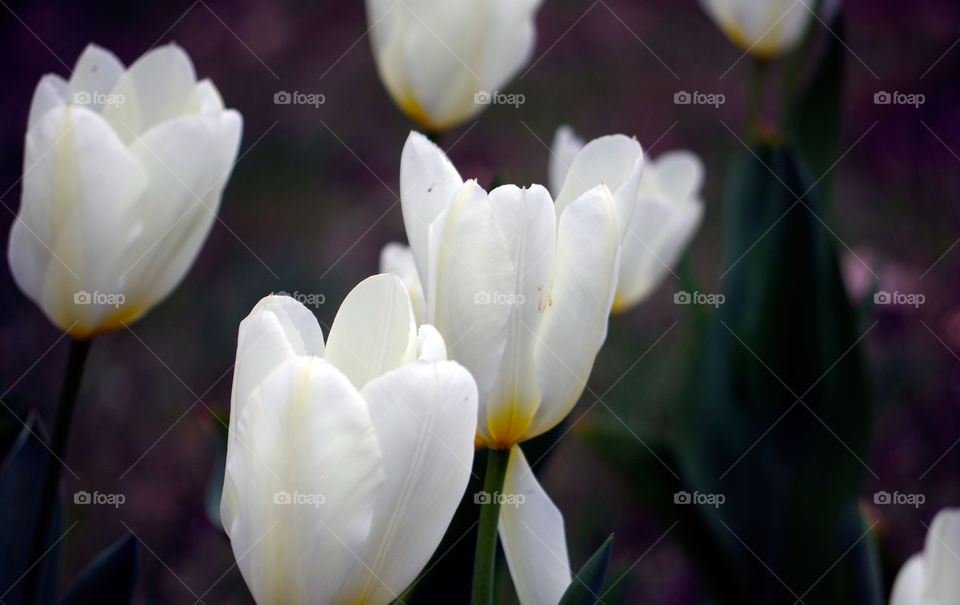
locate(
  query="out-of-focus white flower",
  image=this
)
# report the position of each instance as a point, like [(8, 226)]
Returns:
[(666, 209), (444, 60), (345, 461), (930, 577), (766, 28), (122, 177)]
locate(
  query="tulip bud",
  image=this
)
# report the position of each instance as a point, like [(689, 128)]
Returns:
[(930, 577), (123, 174), (766, 28)]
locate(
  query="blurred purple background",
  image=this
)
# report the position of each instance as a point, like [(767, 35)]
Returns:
[(313, 199)]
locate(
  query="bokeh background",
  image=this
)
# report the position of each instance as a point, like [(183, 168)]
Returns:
[(314, 198)]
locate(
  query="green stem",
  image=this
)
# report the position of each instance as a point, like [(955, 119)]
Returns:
[(791, 73), (485, 561), (58, 447), (755, 96)]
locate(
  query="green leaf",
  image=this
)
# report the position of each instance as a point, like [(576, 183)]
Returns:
[(21, 480), (110, 578), (587, 585)]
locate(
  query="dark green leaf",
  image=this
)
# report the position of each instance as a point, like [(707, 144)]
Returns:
[(110, 578), (587, 585)]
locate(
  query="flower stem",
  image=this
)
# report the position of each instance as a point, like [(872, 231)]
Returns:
[(485, 561), (58, 447), (755, 96)]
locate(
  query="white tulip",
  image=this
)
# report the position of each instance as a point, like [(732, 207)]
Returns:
[(441, 60), (931, 577), (666, 209), (123, 174), (345, 461), (766, 28), (521, 291)]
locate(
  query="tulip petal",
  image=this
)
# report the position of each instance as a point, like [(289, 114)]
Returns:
[(563, 151), (940, 557), (374, 330), (398, 259), (425, 417), (52, 91), (533, 537), (472, 267), (206, 98), (430, 345), (78, 180), (615, 161), (581, 293), (94, 77), (909, 586), (527, 221), (157, 87), (428, 184), (680, 174), (306, 474)]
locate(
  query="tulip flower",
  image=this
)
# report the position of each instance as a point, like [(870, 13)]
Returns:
[(443, 61), (345, 460), (766, 28), (123, 174), (930, 577), (666, 212), (520, 289)]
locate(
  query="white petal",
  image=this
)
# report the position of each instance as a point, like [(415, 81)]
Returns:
[(563, 151), (52, 91), (430, 345), (398, 259), (581, 293), (533, 537), (615, 161), (94, 77), (206, 99), (425, 416), (428, 184), (473, 265), (189, 160), (941, 558), (526, 219), (909, 585), (78, 218), (158, 87), (680, 174), (374, 330), (305, 470)]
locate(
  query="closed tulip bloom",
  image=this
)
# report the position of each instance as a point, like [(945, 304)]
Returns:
[(520, 288), (766, 28), (666, 211), (441, 60), (123, 174), (930, 577), (345, 460)]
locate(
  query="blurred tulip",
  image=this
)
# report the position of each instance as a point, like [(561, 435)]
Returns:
[(444, 60), (123, 174), (662, 212), (345, 461), (766, 28), (930, 577)]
